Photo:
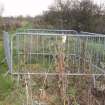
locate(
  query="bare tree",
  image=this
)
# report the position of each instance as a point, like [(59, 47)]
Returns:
[(74, 14)]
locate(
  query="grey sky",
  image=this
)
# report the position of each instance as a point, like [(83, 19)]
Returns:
[(27, 7)]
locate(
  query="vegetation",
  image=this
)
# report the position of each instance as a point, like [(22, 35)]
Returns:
[(74, 14), (81, 15)]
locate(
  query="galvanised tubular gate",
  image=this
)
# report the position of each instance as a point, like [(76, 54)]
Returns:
[(48, 52), (36, 50)]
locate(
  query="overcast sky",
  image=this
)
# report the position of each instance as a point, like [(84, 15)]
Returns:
[(27, 7)]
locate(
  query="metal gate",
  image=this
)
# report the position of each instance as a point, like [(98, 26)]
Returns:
[(39, 57), (39, 51)]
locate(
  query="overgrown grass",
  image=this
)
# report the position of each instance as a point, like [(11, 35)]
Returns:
[(8, 94), (3, 65), (6, 85), (6, 82)]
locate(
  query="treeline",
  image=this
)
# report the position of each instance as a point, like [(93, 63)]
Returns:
[(10, 23), (79, 15), (13, 23), (82, 15)]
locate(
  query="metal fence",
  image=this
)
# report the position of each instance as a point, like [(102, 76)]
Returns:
[(40, 51), (7, 50), (47, 53)]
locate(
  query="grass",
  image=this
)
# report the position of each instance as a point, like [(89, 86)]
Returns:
[(6, 85), (6, 82), (9, 93), (3, 65), (1, 51)]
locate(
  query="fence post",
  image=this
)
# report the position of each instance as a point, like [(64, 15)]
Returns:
[(7, 50)]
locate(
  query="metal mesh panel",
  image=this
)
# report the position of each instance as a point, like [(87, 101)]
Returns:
[(61, 59), (42, 51)]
